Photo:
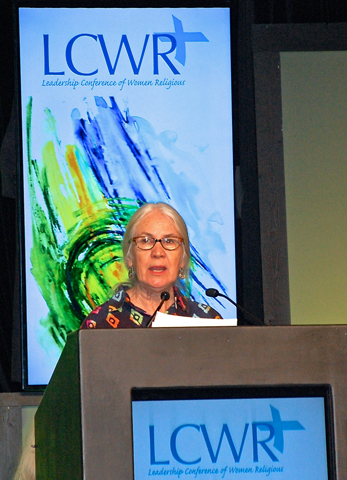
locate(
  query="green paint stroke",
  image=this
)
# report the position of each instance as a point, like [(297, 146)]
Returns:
[(76, 255)]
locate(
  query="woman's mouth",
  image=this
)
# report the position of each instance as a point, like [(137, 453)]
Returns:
[(157, 269)]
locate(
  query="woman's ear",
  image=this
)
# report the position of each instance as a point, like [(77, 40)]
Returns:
[(184, 261)]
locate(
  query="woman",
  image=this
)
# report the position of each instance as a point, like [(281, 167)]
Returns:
[(156, 253)]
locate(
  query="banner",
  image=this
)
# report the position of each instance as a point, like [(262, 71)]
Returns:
[(281, 438), (119, 107)]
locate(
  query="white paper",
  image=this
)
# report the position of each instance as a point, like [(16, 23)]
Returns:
[(165, 320)]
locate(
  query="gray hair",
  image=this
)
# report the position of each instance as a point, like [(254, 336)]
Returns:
[(169, 212)]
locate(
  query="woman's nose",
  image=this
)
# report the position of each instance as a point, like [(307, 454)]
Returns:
[(157, 250)]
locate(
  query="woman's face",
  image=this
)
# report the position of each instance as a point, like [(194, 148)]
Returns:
[(156, 269)]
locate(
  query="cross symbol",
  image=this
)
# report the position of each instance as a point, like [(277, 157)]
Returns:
[(181, 38), (279, 427)]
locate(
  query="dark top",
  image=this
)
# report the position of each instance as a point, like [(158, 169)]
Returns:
[(119, 312)]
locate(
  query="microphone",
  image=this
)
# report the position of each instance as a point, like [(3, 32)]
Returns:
[(164, 296), (213, 292)]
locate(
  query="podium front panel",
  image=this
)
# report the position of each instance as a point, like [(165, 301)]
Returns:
[(106, 365)]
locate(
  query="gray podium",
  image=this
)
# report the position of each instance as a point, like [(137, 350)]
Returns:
[(83, 425)]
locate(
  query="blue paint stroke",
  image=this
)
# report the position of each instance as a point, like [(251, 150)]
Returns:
[(130, 160)]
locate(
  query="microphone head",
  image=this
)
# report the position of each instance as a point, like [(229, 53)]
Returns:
[(165, 295), (212, 292)]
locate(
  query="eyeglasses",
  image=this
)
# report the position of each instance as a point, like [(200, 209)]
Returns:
[(147, 243)]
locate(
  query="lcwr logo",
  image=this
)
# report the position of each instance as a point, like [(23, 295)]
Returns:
[(275, 429), (177, 40)]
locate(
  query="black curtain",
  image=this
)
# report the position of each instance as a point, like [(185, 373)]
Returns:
[(8, 240), (300, 11)]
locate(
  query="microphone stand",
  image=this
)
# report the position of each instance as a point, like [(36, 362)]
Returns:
[(164, 296), (213, 292)]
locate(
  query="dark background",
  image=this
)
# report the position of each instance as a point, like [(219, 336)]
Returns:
[(245, 13)]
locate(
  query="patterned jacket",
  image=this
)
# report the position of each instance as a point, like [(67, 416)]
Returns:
[(119, 312)]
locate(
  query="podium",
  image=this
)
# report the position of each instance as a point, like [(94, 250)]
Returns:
[(84, 421)]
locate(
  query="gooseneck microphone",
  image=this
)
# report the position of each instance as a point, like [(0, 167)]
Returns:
[(164, 296), (213, 292)]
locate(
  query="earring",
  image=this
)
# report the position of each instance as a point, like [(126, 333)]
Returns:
[(181, 274), (131, 272)]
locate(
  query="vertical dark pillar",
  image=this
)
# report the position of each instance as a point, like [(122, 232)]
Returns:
[(248, 238)]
